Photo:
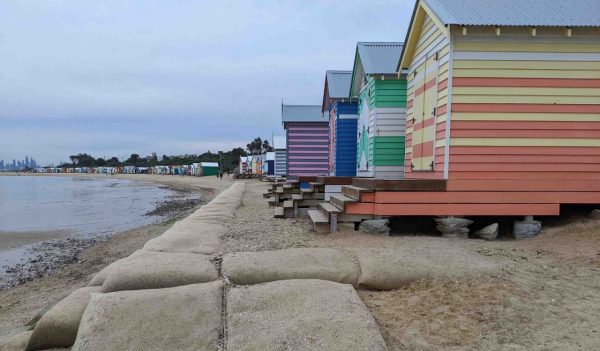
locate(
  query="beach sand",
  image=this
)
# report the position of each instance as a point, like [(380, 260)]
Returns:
[(21, 303), (545, 298)]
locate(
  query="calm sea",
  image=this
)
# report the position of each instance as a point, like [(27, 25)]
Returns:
[(78, 205)]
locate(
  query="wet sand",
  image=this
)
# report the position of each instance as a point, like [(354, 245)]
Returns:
[(12, 240)]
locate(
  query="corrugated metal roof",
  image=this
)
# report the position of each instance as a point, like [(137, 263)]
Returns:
[(567, 13), (338, 83), (379, 58), (302, 113), (279, 142)]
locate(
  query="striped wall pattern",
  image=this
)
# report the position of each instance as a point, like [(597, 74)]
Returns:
[(427, 103), (525, 107), (381, 129), (281, 162), (332, 130), (307, 148)]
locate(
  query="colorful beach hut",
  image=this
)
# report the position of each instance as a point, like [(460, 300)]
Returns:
[(503, 111), (209, 168), (381, 95), (269, 164), (342, 112), (280, 147), (307, 139)]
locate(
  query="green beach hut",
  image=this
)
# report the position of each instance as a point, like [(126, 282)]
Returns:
[(381, 98)]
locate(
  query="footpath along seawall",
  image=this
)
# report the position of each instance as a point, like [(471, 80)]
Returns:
[(179, 292)]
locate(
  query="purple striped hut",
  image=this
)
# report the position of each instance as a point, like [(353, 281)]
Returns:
[(307, 134)]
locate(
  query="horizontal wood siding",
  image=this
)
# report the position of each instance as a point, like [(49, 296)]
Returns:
[(526, 107), (345, 132), (307, 148), (281, 162)]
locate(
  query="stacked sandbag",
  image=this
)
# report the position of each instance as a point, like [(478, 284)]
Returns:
[(16, 342), (58, 326), (189, 236), (386, 269), (99, 278), (155, 270), (181, 318), (299, 315), (304, 263)]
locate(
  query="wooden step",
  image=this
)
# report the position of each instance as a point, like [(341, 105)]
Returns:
[(279, 212), (334, 180), (297, 197), (288, 186), (340, 201), (279, 190), (327, 209), (317, 217), (272, 202), (288, 204), (354, 191)]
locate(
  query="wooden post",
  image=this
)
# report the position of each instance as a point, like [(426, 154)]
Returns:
[(333, 222)]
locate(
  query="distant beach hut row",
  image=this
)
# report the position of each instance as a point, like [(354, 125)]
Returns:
[(195, 169)]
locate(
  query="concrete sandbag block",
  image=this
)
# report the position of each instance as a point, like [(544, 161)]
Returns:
[(181, 318), (16, 342), (305, 263), (58, 326), (385, 269), (199, 238), (299, 315), (155, 270)]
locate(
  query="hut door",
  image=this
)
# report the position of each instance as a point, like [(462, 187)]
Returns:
[(425, 111)]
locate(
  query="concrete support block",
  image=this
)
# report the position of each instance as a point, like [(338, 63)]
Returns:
[(453, 227), (375, 226), (489, 232), (527, 228)]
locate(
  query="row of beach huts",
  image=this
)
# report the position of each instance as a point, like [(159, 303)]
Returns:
[(487, 108), (194, 169)]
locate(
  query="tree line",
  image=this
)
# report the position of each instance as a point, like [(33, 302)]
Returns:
[(229, 160)]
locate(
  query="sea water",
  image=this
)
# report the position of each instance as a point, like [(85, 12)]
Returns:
[(78, 205)]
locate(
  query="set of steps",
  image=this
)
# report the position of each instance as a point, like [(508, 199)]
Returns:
[(329, 213), (291, 200)]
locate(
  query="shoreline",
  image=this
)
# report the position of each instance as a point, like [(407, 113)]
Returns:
[(21, 302)]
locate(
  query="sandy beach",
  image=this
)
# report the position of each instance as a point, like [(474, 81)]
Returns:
[(20, 303), (544, 297)]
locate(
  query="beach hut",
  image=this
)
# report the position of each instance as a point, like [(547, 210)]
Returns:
[(342, 112), (381, 95), (280, 146), (503, 111), (209, 168), (307, 138), (243, 167), (269, 164)]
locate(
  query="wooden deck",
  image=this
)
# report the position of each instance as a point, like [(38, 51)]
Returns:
[(415, 197)]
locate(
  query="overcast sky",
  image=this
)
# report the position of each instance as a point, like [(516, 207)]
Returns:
[(115, 77)]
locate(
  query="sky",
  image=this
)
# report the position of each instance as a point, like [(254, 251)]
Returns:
[(112, 78)]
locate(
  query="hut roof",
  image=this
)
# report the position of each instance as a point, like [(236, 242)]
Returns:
[(374, 58), (567, 13), (338, 84), (279, 142), (302, 113)]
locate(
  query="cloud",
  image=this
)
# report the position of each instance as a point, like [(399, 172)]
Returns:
[(218, 68)]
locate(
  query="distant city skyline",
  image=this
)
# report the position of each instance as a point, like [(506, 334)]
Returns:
[(17, 165)]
